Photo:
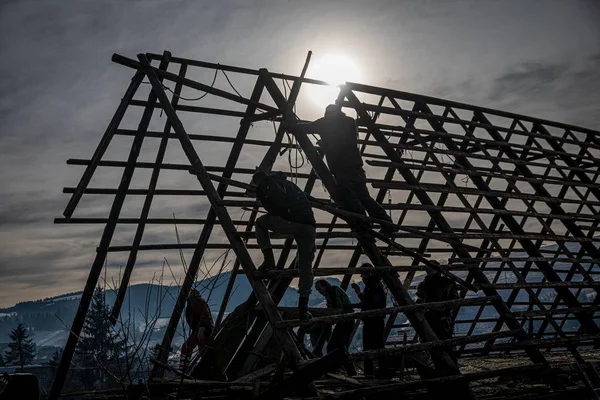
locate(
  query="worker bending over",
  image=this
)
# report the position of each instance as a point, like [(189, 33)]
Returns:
[(339, 141), (199, 319), (289, 213), (342, 333), (373, 298), (437, 287)]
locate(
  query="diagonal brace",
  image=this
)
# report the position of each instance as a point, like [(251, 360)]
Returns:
[(269, 308)]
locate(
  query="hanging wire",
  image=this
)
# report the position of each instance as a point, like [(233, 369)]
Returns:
[(293, 143), (188, 98), (466, 181), (196, 98), (286, 83), (228, 81)]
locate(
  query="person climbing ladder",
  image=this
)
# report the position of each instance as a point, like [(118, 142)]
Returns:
[(199, 319), (339, 141), (288, 213)]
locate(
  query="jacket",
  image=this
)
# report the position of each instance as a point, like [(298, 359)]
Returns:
[(284, 199), (337, 298), (197, 313), (339, 141), (437, 287), (373, 298)]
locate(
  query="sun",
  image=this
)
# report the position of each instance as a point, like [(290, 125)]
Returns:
[(335, 69)]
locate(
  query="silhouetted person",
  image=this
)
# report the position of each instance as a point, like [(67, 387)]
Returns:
[(373, 298), (199, 319), (289, 213), (315, 332), (437, 287), (339, 136), (342, 333)]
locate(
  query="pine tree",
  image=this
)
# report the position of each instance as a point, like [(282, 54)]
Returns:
[(55, 360), (21, 348), (2, 363), (100, 347)]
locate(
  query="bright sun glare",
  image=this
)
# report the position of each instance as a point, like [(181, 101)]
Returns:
[(336, 69)]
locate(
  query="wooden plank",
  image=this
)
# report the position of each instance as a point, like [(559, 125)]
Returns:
[(191, 83), (446, 103), (415, 348), (337, 271), (484, 172), (439, 305), (438, 188)]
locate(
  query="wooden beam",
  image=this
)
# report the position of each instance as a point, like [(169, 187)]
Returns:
[(439, 305), (191, 83), (415, 348)]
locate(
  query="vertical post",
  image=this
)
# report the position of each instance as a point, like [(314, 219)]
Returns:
[(162, 148), (283, 337), (102, 249)]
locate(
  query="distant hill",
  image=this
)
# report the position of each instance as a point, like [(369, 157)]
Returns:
[(50, 317)]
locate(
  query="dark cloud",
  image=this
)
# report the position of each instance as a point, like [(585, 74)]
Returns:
[(567, 91), (527, 79)]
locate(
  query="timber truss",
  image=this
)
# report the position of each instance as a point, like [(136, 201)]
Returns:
[(512, 202)]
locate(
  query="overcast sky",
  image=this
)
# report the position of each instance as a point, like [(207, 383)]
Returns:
[(59, 88)]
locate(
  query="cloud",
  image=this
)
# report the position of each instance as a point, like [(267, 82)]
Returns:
[(531, 78), (566, 91)]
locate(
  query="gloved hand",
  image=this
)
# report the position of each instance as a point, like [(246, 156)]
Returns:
[(303, 313)]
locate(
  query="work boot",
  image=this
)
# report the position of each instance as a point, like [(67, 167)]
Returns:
[(269, 261), (184, 363), (303, 314)]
